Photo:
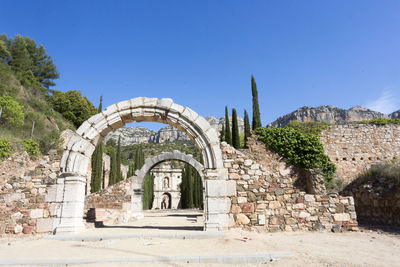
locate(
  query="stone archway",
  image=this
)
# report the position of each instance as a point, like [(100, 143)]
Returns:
[(140, 175), (74, 164)]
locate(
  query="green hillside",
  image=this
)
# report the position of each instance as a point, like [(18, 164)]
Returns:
[(29, 109)]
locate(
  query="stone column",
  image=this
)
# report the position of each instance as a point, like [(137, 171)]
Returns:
[(217, 203), (73, 197), (137, 199)]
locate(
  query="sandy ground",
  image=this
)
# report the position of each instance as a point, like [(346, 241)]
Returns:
[(368, 248)]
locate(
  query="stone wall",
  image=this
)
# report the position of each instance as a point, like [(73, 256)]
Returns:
[(356, 147), (23, 197), (376, 200), (271, 195)]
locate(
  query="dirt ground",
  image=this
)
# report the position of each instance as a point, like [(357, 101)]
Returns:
[(368, 248)]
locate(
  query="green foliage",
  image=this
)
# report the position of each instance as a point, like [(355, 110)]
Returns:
[(73, 106), (247, 129), (381, 121), (389, 170), (301, 149), (256, 109), (97, 169), (310, 127), (191, 188), (4, 53), (222, 134), (5, 148), (51, 140), (12, 112), (113, 166), (152, 149), (24, 56), (118, 155), (228, 135), (148, 192), (31, 147), (235, 130), (139, 159)]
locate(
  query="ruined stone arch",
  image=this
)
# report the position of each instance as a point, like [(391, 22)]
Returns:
[(167, 156), (78, 151), (140, 175)]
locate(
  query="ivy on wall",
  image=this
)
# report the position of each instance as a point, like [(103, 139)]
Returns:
[(301, 149)]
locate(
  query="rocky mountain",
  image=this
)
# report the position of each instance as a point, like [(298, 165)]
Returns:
[(131, 135), (395, 115), (330, 114), (136, 135)]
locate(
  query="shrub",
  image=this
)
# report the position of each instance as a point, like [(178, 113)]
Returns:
[(301, 149), (5, 148), (381, 121), (310, 127), (12, 111), (52, 140), (389, 170), (31, 147)]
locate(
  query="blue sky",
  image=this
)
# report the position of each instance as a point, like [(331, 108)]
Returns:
[(202, 53)]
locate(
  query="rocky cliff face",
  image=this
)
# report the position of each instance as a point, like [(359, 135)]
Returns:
[(131, 135), (136, 135), (395, 115), (330, 114)]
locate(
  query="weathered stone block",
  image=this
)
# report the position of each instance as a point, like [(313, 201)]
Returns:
[(36, 213), (341, 217), (274, 205), (44, 225)]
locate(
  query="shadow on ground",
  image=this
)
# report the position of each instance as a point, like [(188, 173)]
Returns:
[(180, 228), (390, 229)]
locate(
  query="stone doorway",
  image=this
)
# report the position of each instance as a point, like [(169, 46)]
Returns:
[(166, 201)]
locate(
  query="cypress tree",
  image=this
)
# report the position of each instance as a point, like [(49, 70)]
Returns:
[(97, 169), (97, 164), (235, 130), (247, 130), (256, 108), (222, 133), (113, 167), (100, 108), (228, 137), (183, 188), (190, 187), (118, 158)]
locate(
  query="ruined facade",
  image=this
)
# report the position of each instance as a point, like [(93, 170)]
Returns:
[(167, 180)]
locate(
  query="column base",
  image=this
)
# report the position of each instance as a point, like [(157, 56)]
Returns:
[(70, 225)]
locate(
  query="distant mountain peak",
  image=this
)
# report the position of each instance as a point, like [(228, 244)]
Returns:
[(136, 135), (328, 113)]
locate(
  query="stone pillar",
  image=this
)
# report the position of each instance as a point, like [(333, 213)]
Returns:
[(217, 203), (137, 199), (73, 197)]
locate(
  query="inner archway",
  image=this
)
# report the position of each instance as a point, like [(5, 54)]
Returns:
[(76, 157)]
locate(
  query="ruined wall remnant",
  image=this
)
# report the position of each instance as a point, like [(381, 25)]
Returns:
[(356, 147), (271, 195)]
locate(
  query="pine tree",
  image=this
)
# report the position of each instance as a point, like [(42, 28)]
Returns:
[(228, 136), (20, 58), (235, 130), (247, 130), (256, 108), (118, 155)]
